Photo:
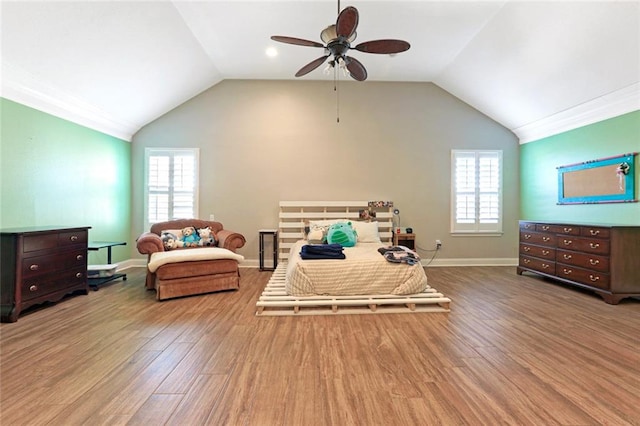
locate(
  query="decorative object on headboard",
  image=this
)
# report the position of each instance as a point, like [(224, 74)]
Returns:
[(606, 180), (380, 203), (367, 214)]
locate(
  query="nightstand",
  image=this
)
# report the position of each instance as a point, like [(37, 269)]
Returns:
[(407, 240), (273, 233)]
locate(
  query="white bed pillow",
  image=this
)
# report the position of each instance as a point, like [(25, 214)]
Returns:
[(367, 231)]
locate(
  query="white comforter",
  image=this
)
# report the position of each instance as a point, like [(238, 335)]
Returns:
[(364, 271), (192, 254)]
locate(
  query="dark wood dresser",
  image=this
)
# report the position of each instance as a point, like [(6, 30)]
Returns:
[(602, 258), (40, 264)]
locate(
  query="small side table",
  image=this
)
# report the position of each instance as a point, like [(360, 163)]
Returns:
[(97, 245), (407, 240), (274, 235)]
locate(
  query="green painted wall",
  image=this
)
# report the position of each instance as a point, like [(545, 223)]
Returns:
[(538, 174), (54, 172)]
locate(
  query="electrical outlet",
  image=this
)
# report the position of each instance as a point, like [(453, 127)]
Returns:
[(212, 217), (438, 244)]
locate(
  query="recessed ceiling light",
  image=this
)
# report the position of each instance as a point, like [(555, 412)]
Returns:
[(271, 52)]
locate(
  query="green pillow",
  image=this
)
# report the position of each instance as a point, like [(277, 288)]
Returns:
[(342, 233)]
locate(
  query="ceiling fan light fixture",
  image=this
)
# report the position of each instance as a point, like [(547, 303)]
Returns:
[(330, 34)]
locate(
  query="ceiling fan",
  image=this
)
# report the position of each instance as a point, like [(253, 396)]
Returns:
[(338, 39)]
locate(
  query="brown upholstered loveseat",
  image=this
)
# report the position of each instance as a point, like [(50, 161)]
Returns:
[(191, 277)]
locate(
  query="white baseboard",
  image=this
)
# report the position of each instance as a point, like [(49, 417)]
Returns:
[(131, 263), (254, 263), (471, 262)]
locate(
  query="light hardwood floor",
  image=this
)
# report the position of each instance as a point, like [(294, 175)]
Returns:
[(513, 350)]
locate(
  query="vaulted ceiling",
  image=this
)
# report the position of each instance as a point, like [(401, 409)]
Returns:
[(533, 66)]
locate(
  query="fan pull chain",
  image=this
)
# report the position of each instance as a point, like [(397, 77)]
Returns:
[(336, 88)]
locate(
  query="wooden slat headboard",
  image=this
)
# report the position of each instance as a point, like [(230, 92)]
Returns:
[(295, 215)]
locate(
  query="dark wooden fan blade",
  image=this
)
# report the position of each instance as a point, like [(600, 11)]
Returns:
[(296, 41), (311, 66), (356, 69), (347, 22), (383, 46)]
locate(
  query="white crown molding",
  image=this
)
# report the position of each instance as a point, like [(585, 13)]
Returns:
[(21, 87), (604, 107)]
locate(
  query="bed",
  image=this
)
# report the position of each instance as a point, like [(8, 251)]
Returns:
[(364, 279), (364, 271)]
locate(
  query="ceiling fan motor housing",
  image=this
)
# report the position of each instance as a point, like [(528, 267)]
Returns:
[(339, 47)]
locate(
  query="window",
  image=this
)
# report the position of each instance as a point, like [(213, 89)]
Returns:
[(171, 184), (476, 199)]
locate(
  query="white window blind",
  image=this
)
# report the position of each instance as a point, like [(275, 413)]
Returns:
[(476, 191), (171, 184)]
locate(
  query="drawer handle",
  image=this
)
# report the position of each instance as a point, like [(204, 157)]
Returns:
[(34, 267), (79, 275), (594, 261), (594, 245), (74, 238), (567, 242), (33, 288), (528, 226), (545, 266), (527, 236), (567, 271), (546, 239), (526, 248), (567, 256), (568, 230), (594, 279), (545, 252), (545, 227), (79, 257), (594, 231), (526, 261)]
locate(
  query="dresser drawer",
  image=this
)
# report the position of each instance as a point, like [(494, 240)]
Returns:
[(39, 242), (584, 276), (589, 245), (584, 260), (558, 229), (548, 267), (538, 238), (72, 237), (595, 232), (527, 226), (45, 264), (39, 286), (538, 251)]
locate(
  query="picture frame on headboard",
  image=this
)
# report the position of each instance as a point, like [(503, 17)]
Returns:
[(605, 180)]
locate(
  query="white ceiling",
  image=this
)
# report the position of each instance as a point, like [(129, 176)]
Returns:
[(117, 65)]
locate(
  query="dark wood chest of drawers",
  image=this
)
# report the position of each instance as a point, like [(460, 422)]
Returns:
[(40, 264), (603, 258)]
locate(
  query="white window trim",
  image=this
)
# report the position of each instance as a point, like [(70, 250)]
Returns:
[(156, 151), (476, 229)]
